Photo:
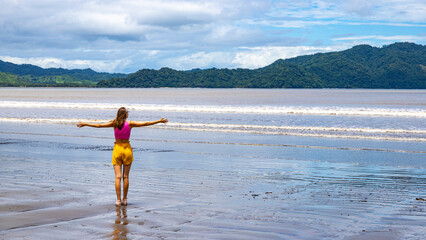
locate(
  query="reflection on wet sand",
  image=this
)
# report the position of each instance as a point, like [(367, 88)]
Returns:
[(120, 224)]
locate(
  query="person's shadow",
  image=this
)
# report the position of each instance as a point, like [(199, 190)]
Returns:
[(120, 225)]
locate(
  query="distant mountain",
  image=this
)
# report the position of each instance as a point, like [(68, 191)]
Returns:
[(30, 75), (399, 65), (395, 66)]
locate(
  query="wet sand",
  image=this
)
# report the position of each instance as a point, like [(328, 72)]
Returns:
[(57, 188)]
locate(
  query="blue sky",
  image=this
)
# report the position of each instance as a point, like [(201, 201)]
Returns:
[(128, 35)]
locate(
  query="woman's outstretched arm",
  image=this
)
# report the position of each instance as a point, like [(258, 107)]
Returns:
[(144, 124), (104, 125)]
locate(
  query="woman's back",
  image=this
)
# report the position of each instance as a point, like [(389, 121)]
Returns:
[(124, 132)]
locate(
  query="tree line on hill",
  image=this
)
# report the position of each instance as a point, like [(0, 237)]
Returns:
[(400, 65), (395, 66), (27, 75)]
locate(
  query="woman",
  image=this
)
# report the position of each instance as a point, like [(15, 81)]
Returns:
[(122, 155)]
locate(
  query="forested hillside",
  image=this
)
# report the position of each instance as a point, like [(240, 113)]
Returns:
[(34, 76), (396, 66), (400, 65)]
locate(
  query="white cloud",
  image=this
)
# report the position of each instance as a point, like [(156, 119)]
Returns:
[(231, 36), (262, 56), (252, 58), (389, 10), (394, 24), (115, 17), (200, 60), (363, 8), (312, 23), (117, 35), (97, 65), (379, 10), (292, 23), (397, 38)]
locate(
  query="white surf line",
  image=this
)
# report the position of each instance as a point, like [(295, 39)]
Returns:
[(256, 129), (223, 143), (398, 139), (218, 125), (71, 121), (290, 110), (310, 128)]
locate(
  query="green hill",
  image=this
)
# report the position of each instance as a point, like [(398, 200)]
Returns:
[(396, 66), (400, 65), (10, 80), (34, 76)]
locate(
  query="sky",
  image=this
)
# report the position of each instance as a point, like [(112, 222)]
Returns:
[(128, 35)]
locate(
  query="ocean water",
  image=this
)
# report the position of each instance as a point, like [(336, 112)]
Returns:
[(382, 114), (246, 161), (360, 122), (380, 117)]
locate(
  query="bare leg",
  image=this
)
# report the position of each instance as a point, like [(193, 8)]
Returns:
[(117, 170), (126, 171)]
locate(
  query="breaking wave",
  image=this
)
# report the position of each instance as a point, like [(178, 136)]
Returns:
[(302, 131), (271, 110)]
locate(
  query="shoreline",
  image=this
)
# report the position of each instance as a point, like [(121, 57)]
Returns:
[(218, 88), (67, 190), (222, 181)]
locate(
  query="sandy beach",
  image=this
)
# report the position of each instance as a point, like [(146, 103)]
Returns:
[(61, 187), (282, 164)]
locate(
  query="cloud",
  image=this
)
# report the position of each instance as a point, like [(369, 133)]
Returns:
[(386, 10), (125, 17), (152, 24), (262, 56), (96, 65), (246, 57), (308, 13), (397, 38), (126, 35), (363, 8), (314, 23), (294, 23), (200, 60)]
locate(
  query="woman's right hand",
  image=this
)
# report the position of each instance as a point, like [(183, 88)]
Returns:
[(164, 120), (80, 124)]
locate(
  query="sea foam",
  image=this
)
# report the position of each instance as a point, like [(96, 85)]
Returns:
[(253, 109)]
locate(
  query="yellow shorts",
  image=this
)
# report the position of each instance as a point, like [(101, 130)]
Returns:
[(122, 154)]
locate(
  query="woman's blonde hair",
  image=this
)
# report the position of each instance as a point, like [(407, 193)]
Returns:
[(118, 122)]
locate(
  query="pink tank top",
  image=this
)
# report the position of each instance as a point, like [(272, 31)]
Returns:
[(124, 133)]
